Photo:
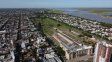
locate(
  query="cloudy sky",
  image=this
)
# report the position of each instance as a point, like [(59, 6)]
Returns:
[(54, 3)]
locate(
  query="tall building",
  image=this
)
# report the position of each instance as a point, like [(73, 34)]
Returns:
[(103, 52)]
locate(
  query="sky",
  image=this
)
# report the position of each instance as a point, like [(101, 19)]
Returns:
[(55, 3)]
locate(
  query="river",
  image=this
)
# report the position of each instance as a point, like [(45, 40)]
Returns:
[(87, 15)]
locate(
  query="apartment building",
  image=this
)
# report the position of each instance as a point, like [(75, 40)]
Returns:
[(103, 52)]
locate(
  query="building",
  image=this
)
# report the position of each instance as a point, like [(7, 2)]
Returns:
[(50, 56), (103, 52), (6, 52), (74, 50)]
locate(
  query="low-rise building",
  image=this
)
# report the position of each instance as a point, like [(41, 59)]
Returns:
[(74, 51)]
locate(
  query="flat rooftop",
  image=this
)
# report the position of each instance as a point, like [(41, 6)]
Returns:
[(69, 44)]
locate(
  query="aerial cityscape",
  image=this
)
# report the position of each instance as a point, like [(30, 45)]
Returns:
[(42, 31)]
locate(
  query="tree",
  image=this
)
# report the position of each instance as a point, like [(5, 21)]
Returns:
[(39, 26), (60, 51), (58, 25)]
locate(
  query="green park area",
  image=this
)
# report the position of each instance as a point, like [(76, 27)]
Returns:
[(49, 24)]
